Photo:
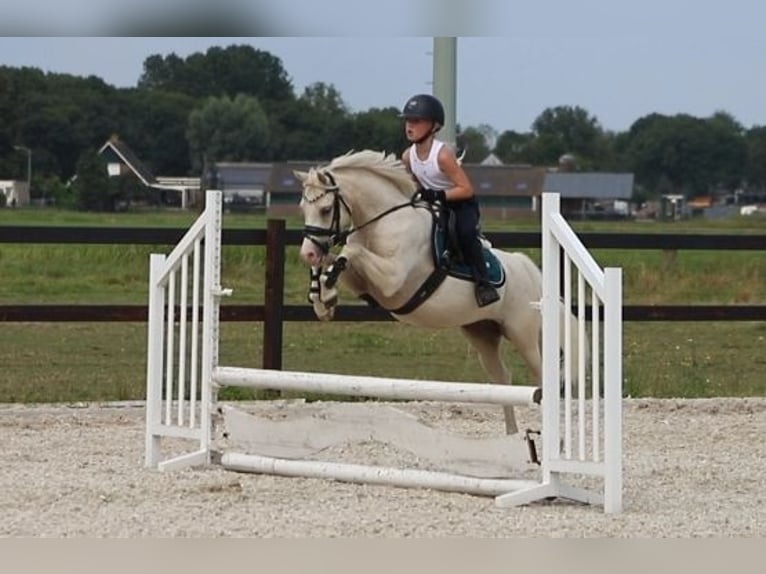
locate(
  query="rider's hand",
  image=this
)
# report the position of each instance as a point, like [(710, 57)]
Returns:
[(433, 195)]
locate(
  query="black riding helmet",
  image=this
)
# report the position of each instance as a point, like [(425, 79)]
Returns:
[(425, 107)]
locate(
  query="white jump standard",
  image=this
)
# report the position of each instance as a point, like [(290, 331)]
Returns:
[(581, 405)]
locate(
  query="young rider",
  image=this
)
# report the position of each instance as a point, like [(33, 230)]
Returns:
[(441, 178)]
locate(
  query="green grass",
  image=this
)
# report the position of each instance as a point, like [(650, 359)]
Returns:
[(119, 274), (44, 362), (71, 362)]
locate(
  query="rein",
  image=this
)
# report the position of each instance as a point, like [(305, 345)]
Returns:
[(334, 233)]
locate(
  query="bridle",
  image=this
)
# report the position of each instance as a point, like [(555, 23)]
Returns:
[(334, 234)]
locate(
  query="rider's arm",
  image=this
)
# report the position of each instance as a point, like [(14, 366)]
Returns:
[(462, 188)]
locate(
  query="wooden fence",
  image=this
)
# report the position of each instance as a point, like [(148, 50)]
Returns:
[(273, 312)]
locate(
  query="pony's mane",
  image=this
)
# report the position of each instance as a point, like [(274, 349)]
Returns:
[(384, 164)]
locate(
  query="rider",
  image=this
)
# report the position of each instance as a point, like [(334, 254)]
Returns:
[(441, 178)]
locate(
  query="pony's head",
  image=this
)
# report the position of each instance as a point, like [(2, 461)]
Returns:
[(357, 184), (326, 215)]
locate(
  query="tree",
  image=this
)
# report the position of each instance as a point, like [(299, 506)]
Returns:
[(728, 151), (154, 125), (57, 116), (693, 156), (226, 129), (565, 129), (92, 189), (755, 172), (324, 99), (220, 71), (163, 73), (474, 143), (380, 129), (316, 126), (513, 147), (490, 135)]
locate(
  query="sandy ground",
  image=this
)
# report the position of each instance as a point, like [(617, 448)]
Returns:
[(693, 468)]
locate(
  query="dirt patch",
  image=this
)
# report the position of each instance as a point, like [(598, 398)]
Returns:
[(692, 468)]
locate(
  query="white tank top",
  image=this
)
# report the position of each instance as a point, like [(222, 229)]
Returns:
[(427, 172)]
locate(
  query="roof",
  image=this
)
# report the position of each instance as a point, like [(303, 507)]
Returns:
[(120, 151), (244, 175), (506, 180), (500, 180), (282, 179), (590, 185), (491, 159)]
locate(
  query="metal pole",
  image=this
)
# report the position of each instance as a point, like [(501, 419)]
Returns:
[(445, 74)]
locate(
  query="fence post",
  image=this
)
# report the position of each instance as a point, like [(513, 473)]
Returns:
[(274, 294)]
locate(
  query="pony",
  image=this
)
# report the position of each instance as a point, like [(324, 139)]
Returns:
[(367, 203)]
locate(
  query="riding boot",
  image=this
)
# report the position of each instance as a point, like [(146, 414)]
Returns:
[(484, 291)]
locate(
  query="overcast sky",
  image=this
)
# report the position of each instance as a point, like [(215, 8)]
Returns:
[(669, 57)]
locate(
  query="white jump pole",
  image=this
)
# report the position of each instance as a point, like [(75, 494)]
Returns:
[(382, 388), (405, 478)]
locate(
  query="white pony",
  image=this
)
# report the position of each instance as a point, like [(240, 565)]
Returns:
[(367, 202)]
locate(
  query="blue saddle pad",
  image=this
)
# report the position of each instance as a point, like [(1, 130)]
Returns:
[(458, 269)]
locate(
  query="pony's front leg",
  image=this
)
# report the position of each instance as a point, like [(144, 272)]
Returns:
[(323, 311), (323, 293), (328, 282)]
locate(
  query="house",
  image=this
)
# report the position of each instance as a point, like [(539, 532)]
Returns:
[(244, 185), (121, 160), (15, 193), (592, 195), (491, 159), (673, 206), (284, 191), (506, 191)]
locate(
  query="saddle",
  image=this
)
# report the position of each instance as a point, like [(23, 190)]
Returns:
[(447, 254)]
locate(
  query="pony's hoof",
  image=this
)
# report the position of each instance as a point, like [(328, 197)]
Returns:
[(327, 314), (322, 312), (331, 302)]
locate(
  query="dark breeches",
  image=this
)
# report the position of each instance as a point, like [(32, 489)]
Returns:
[(466, 224)]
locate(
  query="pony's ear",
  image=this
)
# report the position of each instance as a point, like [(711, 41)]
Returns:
[(300, 175)]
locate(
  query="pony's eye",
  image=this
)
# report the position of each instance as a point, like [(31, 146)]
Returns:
[(325, 211)]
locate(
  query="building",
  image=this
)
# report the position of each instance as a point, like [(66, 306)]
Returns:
[(506, 191), (592, 195), (121, 160), (15, 193), (244, 185), (284, 191)]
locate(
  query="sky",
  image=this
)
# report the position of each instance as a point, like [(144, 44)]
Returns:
[(618, 62)]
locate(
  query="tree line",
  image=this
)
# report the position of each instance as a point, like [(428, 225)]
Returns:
[(238, 104)]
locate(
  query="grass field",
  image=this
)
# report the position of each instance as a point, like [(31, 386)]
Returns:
[(106, 361)]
